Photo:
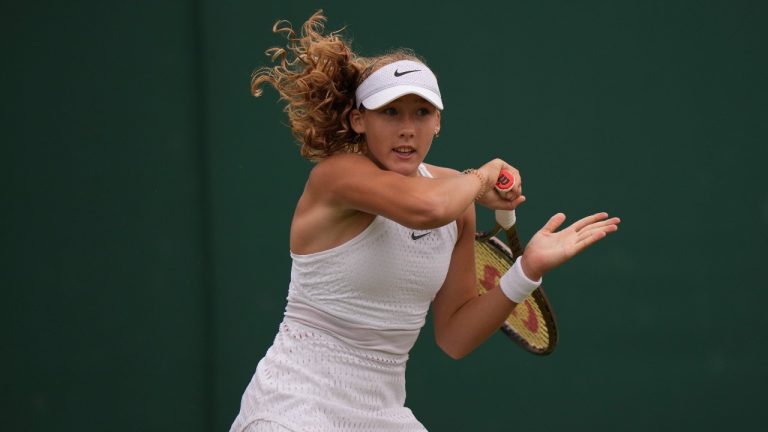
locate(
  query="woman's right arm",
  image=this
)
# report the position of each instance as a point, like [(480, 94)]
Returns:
[(354, 182)]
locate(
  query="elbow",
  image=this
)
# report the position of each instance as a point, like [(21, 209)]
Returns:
[(453, 350), (456, 355)]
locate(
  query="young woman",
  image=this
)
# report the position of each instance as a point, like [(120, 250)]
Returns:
[(377, 237)]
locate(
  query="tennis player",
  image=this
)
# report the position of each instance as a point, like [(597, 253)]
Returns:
[(377, 237)]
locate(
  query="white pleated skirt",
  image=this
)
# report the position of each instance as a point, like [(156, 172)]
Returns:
[(310, 381)]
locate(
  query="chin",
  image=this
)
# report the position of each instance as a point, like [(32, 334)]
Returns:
[(406, 168)]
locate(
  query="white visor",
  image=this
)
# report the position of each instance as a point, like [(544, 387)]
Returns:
[(395, 80)]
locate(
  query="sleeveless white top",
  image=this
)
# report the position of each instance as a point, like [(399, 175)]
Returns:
[(354, 311)]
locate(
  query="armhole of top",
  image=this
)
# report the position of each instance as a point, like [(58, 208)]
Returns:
[(424, 172)]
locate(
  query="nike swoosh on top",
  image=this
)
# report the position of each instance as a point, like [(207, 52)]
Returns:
[(399, 74), (416, 237)]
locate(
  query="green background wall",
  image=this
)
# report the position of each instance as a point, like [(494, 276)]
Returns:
[(147, 199)]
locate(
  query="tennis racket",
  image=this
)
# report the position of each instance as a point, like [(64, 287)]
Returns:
[(531, 324)]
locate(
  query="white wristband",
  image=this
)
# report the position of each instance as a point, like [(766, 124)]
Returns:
[(516, 285)]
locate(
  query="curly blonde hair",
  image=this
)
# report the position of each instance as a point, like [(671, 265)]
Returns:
[(317, 76)]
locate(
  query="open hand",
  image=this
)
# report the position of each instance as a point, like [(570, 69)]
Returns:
[(549, 248)]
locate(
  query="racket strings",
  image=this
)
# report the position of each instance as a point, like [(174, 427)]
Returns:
[(527, 322)]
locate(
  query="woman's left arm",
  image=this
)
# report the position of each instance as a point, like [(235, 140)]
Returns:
[(462, 318)]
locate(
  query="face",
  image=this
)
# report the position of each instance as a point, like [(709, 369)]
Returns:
[(398, 134)]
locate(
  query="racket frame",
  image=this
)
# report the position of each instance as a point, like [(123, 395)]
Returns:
[(512, 251)]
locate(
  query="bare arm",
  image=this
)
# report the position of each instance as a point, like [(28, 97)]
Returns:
[(463, 319), (354, 182)]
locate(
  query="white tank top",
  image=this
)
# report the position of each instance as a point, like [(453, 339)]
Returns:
[(373, 291)]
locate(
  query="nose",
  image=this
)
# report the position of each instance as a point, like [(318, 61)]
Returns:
[(407, 128)]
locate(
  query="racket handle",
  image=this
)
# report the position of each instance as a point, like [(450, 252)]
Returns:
[(506, 218), (514, 242), (505, 182)]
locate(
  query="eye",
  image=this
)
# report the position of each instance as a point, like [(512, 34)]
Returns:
[(390, 111), (423, 112)]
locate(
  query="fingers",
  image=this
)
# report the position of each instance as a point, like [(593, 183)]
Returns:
[(516, 202), (590, 240), (600, 231), (600, 224), (581, 223), (590, 236), (504, 203), (496, 201), (554, 222)]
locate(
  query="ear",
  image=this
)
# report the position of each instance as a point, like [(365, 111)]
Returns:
[(356, 121), (437, 126)]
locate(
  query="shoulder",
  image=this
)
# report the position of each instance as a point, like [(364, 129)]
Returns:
[(339, 169), (340, 176), (335, 164)]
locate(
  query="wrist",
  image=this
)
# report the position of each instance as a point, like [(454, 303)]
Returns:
[(530, 271), (481, 178), (516, 285), (489, 176)]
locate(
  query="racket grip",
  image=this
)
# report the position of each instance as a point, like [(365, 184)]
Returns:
[(506, 218), (505, 182)]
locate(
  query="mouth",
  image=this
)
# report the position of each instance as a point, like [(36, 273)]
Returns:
[(404, 151)]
